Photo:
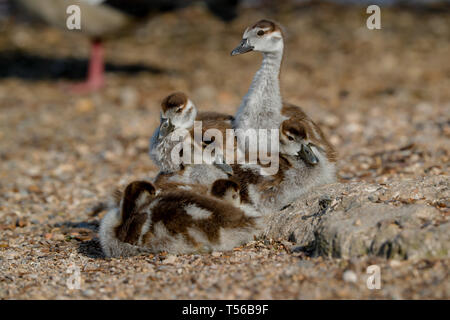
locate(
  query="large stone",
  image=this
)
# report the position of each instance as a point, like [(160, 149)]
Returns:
[(397, 220)]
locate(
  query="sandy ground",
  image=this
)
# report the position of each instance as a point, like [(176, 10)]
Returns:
[(382, 97)]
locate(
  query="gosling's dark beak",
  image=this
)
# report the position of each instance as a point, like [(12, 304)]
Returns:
[(307, 155), (225, 167), (243, 47), (165, 128)]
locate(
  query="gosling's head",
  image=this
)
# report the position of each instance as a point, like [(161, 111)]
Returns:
[(227, 190), (294, 140), (133, 210), (264, 36), (177, 111), (121, 230)]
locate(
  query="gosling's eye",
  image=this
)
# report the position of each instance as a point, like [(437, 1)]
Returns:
[(234, 196), (260, 33), (290, 138)]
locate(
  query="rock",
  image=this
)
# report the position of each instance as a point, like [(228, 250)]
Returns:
[(129, 97), (349, 276), (170, 259), (350, 220), (58, 237), (88, 293), (84, 105), (34, 189), (21, 222), (395, 263), (11, 255)]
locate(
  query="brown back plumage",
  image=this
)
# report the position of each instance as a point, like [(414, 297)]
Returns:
[(212, 115), (170, 211), (312, 130)]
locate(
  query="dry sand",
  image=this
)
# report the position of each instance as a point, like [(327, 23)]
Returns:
[(381, 96)]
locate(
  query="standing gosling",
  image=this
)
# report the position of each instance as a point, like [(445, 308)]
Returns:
[(263, 107)]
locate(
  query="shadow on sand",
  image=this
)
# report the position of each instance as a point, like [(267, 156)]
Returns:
[(32, 67), (90, 248)]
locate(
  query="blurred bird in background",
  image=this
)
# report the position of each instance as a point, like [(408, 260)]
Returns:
[(102, 19)]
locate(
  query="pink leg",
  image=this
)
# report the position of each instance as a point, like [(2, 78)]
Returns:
[(95, 79)]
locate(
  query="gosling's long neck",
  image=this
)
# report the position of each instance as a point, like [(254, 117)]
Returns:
[(261, 106)]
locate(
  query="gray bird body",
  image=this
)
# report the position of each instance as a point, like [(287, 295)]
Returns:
[(97, 20)]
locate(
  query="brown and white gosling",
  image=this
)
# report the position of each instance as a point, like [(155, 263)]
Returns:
[(263, 107), (307, 160), (178, 221), (178, 114)]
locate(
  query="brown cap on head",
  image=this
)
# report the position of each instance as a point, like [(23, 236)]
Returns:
[(174, 100), (271, 26), (305, 128), (221, 186), (131, 194), (294, 127)]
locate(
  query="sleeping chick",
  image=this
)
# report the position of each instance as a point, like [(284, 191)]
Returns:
[(307, 160), (176, 221)]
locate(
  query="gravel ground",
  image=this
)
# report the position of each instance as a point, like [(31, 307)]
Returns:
[(381, 96)]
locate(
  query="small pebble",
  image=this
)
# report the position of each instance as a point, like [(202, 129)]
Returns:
[(170, 259), (349, 276), (88, 293), (395, 263)]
